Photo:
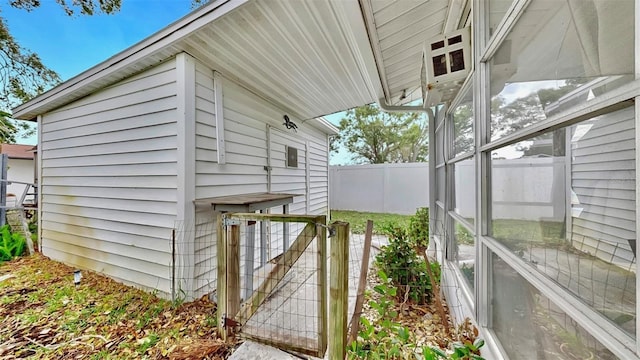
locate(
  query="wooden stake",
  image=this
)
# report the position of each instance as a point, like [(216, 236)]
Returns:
[(339, 291), (364, 270), (221, 289), (322, 286), (233, 272), (436, 293)]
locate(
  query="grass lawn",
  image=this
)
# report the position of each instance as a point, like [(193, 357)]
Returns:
[(43, 315), (358, 220)]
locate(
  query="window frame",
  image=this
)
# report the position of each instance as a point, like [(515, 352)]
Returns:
[(485, 46)]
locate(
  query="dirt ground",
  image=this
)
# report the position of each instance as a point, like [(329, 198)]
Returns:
[(44, 315)]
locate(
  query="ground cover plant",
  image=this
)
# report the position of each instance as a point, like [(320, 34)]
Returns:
[(11, 244), (392, 329), (401, 318), (358, 220), (43, 315)]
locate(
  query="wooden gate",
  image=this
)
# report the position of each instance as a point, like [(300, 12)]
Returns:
[(282, 302)]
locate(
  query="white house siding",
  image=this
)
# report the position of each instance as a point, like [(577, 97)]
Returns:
[(319, 178), (109, 180), (21, 170), (246, 117), (603, 180), (205, 147)]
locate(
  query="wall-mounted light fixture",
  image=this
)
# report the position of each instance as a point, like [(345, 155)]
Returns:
[(77, 276), (290, 124)]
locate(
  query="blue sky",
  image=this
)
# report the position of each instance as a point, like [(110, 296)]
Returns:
[(70, 45)]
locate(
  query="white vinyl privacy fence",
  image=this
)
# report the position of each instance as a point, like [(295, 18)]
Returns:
[(530, 183), (383, 188)]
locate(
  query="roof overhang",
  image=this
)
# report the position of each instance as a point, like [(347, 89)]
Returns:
[(312, 58), (398, 31)]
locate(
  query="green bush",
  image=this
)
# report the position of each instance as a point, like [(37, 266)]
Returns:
[(11, 245), (419, 228), (383, 337), (406, 269)]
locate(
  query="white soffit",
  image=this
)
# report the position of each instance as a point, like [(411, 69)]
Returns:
[(398, 30), (310, 57)]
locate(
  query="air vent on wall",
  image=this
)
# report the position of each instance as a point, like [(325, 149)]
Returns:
[(447, 62), (292, 156)]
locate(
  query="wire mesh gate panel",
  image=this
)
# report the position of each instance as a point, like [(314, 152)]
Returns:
[(274, 286)]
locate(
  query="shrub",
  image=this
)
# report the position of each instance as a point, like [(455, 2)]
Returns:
[(11, 245), (419, 228), (383, 337), (406, 269)]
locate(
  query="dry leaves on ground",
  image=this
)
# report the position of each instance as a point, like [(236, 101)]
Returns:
[(44, 315)]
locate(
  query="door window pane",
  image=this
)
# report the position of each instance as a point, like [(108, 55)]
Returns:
[(440, 146), (465, 252), (559, 54), (529, 326), (440, 183), (463, 141), (564, 202), (465, 189)]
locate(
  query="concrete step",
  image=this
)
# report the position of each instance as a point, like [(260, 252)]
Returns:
[(255, 351)]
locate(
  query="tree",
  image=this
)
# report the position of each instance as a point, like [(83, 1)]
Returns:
[(22, 73), (463, 129), (376, 137)]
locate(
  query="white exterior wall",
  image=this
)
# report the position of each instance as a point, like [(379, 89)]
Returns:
[(109, 180), (603, 182), (249, 121), (19, 170)]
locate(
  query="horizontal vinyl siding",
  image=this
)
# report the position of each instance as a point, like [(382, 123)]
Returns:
[(244, 139), (319, 176), (246, 117), (603, 180), (109, 172)]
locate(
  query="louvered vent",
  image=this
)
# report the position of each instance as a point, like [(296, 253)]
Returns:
[(447, 61)]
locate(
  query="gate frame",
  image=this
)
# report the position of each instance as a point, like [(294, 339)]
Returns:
[(228, 284)]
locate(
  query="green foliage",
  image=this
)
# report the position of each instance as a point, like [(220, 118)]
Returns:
[(419, 228), (358, 220), (405, 268), (466, 351), (85, 7), (463, 236), (12, 245), (375, 137), (385, 338), (147, 343)]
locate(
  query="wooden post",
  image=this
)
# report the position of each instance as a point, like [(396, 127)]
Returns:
[(263, 241), (322, 285), (285, 229), (436, 293), (249, 260), (221, 288), (339, 290), (364, 270), (233, 272)]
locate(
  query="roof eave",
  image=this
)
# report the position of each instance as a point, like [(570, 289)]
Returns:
[(154, 43), (325, 126)]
